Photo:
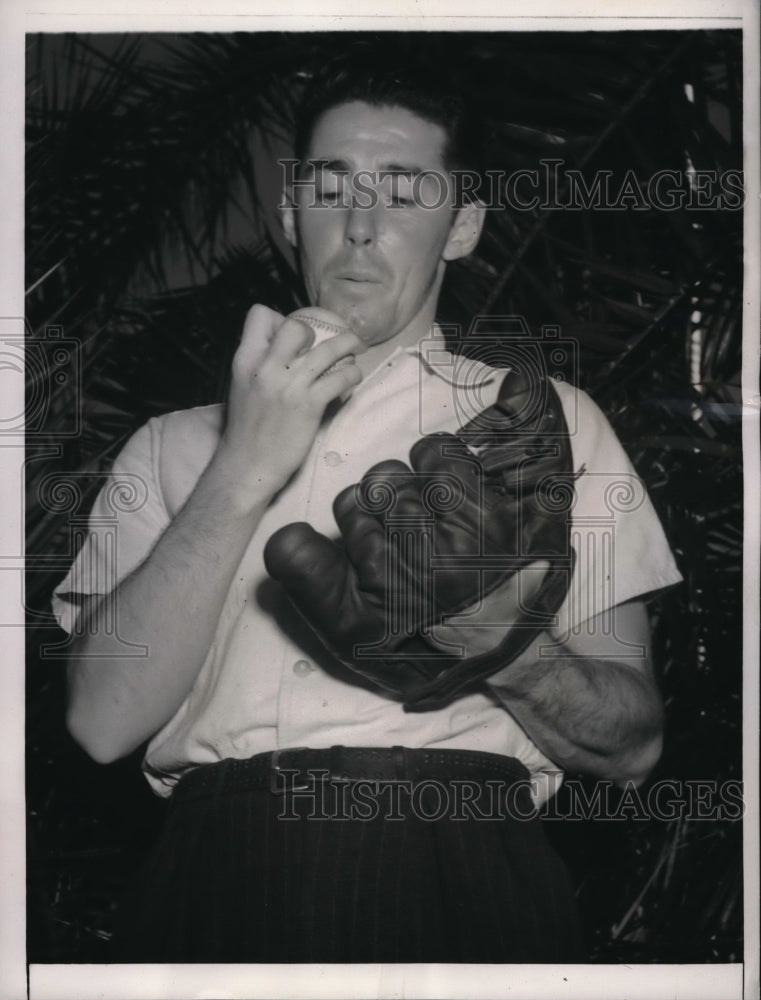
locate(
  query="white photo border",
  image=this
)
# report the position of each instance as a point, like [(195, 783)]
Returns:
[(54, 982)]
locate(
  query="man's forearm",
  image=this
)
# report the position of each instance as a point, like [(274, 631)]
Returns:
[(171, 604), (601, 717), (590, 703)]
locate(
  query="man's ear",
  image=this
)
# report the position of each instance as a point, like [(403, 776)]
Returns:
[(288, 218), (466, 231)]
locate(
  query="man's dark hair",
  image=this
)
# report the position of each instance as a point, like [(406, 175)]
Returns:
[(420, 88)]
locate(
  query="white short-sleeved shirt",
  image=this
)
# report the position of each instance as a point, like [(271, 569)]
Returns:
[(267, 683)]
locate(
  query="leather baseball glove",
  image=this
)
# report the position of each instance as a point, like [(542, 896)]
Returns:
[(420, 543)]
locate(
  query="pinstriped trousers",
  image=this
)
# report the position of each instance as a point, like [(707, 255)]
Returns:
[(245, 875)]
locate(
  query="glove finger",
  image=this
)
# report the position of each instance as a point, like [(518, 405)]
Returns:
[(369, 493), (518, 401), (389, 487), (300, 557), (320, 580), (382, 555), (472, 513), (436, 451), (455, 476), (366, 546), (447, 455), (495, 461), (499, 468)]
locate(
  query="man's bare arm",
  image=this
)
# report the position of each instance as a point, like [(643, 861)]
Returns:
[(586, 709), (172, 601), (590, 703)]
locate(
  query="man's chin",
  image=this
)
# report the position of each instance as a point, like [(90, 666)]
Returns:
[(361, 318)]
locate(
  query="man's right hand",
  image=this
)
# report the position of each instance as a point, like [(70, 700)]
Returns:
[(277, 400), (278, 396)]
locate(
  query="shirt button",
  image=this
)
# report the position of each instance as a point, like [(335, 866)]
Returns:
[(302, 668), (333, 458)]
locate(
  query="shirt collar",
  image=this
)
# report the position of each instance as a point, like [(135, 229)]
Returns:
[(460, 373)]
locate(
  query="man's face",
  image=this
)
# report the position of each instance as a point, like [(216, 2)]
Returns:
[(371, 249)]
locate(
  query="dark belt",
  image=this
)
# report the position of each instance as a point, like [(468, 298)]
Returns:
[(300, 767)]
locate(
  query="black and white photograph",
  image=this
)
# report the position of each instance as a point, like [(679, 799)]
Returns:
[(386, 590)]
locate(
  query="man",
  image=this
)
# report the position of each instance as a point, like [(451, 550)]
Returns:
[(261, 859)]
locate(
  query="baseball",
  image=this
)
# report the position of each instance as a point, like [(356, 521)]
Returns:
[(325, 325)]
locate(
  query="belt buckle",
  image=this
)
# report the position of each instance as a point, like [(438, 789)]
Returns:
[(278, 783), (397, 767)]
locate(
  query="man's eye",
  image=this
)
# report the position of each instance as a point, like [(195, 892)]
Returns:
[(398, 191), (328, 197), (330, 190)]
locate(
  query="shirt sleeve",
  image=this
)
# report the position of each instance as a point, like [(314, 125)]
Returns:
[(126, 521), (620, 546)]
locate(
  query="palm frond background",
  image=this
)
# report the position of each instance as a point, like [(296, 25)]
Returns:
[(151, 230)]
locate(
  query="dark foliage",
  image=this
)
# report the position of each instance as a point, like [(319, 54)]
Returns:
[(150, 232)]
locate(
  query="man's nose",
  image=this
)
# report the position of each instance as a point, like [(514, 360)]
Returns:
[(361, 224)]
